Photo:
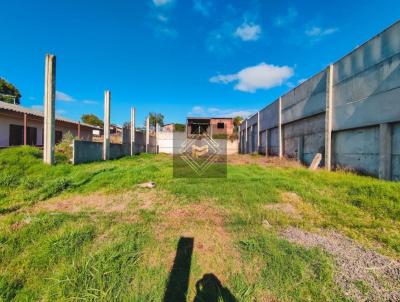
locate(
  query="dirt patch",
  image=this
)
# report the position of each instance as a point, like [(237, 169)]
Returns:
[(286, 208), (364, 275), (214, 250), (127, 202), (273, 161)]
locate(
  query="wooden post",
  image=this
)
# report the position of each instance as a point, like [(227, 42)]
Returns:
[(79, 130), (25, 129), (49, 110)]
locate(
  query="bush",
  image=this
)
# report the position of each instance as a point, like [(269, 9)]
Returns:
[(64, 148)]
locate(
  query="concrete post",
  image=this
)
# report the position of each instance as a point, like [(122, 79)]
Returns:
[(25, 128), (385, 151), (280, 130), (147, 134), (49, 110), (251, 139), (328, 118), (106, 143), (157, 130), (246, 140), (266, 141), (258, 132), (133, 131), (300, 148)]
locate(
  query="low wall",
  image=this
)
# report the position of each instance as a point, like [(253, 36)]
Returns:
[(119, 150), (85, 151)]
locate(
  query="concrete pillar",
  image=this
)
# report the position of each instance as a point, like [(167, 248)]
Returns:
[(157, 130), (79, 130), (328, 118), (25, 129), (147, 134), (300, 148), (49, 110), (251, 139), (106, 143), (246, 139), (258, 132), (133, 131), (280, 130), (266, 141), (385, 151), (240, 140)]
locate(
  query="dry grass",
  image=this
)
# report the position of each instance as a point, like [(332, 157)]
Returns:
[(272, 161)]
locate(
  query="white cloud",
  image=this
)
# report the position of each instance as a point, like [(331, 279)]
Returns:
[(162, 2), (219, 112), (63, 97), (248, 32), (318, 32), (290, 17), (203, 7), (197, 110), (90, 102), (261, 76)]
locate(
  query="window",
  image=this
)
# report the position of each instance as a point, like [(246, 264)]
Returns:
[(220, 125), (16, 135), (58, 137)]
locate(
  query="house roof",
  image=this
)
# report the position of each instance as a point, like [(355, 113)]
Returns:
[(20, 109)]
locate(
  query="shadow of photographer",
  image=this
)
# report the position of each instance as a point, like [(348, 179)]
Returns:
[(208, 289)]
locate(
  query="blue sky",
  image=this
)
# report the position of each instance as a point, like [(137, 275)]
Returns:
[(178, 57)]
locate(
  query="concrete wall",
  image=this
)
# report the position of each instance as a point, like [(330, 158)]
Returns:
[(85, 151), (357, 149), (396, 151), (348, 112), (119, 150), (310, 132), (171, 143)]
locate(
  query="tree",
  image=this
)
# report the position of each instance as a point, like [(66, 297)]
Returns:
[(237, 121), (92, 119), (9, 93), (156, 118)]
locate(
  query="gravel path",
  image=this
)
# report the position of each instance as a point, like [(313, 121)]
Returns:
[(364, 275)]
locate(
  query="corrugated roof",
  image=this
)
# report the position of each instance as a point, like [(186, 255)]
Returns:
[(20, 109)]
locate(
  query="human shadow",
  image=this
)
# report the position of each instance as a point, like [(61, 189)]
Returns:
[(178, 281), (210, 289)]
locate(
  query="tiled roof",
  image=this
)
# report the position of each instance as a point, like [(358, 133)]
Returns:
[(20, 109)]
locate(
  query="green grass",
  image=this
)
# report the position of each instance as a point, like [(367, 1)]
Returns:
[(96, 255)]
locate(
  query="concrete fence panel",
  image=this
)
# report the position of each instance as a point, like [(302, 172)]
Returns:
[(357, 149), (85, 151)]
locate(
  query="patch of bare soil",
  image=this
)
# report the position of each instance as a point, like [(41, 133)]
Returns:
[(364, 275), (128, 202), (273, 161), (213, 246)]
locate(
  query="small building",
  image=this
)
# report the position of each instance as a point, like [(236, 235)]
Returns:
[(24, 126), (211, 125), (168, 127)]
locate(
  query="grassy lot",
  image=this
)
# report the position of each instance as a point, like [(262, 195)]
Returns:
[(88, 232)]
